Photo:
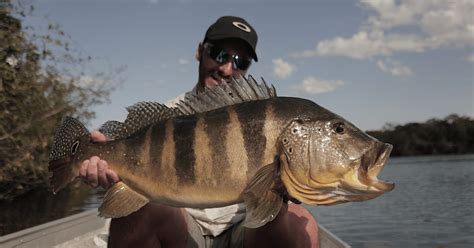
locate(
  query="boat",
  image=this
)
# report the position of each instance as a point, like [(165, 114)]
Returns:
[(88, 230)]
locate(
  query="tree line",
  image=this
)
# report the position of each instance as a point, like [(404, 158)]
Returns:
[(452, 135)]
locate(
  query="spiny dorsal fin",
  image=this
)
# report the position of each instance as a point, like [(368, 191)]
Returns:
[(140, 115), (238, 91), (143, 114)]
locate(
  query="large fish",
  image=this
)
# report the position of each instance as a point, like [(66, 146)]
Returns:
[(237, 142)]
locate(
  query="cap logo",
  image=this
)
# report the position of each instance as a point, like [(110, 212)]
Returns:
[(242, 26)]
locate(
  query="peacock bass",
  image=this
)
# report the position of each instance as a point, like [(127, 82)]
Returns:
[(232, 143)]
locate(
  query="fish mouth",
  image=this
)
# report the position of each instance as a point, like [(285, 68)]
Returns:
[(367, 185), (376, 168)]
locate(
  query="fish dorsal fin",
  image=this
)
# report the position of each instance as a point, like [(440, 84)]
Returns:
[(120, 200), (144, 114), (263, 203), (238, 91), (140, 115)]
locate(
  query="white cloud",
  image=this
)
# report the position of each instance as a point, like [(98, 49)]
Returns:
[(313, 85), (394, 67), (434, 24), (282, 69), (182, 61), (471, 58)]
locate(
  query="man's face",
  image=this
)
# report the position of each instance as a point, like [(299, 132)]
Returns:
[(218, 62)]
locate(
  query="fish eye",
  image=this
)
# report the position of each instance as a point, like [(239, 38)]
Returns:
[(74, 147), (339, 128), (295, 130)]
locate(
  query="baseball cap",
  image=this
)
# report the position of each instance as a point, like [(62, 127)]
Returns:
[(233, 27)]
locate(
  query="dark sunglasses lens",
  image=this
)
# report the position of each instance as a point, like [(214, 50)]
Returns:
[(241, 63), (221, 56), (218, 54)]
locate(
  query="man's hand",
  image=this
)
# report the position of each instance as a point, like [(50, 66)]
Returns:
[(95, 171)]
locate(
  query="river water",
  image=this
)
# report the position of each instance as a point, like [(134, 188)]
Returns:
[(432, 205)]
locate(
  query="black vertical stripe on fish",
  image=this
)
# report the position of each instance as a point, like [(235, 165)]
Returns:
[(132, 154), (183, 136), (252, 121), (216, 128), (155, 151), (284, 108)]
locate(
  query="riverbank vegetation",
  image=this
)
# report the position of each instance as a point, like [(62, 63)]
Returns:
[(40, 83), (452, 135)]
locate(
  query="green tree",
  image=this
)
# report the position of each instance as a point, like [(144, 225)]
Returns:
[(452, 135), (36, 91)]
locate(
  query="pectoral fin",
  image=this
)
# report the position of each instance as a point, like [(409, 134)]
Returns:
[(263, 204), (120, 200)]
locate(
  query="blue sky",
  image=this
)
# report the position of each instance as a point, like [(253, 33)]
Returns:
[(372, 62)]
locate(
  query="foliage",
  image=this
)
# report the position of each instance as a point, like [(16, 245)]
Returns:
[(451, 135), (36, 91)]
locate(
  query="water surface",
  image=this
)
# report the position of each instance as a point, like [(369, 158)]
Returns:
[(432, 205), (41, 206)]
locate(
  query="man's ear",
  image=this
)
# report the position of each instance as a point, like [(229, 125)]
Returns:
[(199, 51)]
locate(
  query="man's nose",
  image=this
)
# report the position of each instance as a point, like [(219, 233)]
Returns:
[(226, 69)]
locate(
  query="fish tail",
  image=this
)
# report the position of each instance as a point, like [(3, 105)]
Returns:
[(66, 145)]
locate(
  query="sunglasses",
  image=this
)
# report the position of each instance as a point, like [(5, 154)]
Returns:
[(222, 56)]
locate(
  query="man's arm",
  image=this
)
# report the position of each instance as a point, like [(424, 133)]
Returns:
[(95, 171)]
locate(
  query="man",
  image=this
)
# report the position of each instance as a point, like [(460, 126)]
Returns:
[(226, 51)]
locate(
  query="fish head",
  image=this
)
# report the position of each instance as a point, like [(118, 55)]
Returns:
[(331, 161)]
